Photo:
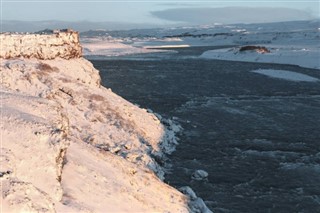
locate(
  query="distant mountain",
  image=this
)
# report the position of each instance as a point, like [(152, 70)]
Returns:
[(229, 15), (34, 26), (114, 29), (206, 30)]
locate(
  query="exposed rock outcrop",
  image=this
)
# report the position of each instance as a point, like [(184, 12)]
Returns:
[(50, 46), (258, 49)]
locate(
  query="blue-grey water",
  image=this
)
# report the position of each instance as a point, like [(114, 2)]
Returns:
[(257, 137)]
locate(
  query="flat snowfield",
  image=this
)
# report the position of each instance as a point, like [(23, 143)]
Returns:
[(309, 58), (295, 43), (112, 47)]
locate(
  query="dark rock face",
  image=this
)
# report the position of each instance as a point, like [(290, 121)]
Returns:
[(259, 49)]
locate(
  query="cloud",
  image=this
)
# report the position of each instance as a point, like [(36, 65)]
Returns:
[(228, 15), (189, 4)]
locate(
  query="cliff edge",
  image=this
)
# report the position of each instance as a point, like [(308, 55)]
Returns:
[(64, 44), (70, 145)]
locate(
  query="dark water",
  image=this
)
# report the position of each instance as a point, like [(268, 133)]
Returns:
[(257, 137)]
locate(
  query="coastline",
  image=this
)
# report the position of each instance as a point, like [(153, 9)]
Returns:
[(101, 147)]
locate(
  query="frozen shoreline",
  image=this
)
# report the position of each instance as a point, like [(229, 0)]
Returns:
[(111, 47), (303, 57), (295, 43)]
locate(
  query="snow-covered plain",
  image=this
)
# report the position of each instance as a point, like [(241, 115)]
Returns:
[(110, 47), (305, 57), (296, 43)]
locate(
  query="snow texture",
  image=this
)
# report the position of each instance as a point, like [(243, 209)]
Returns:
[(70, 145), (111, 47), (309, 58), (295, 43), (196, 204)]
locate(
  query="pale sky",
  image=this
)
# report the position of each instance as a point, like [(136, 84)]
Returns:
[(139, 11)]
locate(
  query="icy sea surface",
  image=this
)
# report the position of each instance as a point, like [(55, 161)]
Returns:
[(257, 137)]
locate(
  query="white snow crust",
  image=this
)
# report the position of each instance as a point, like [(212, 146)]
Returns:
[(295, 43), (305, 57), (70, 145), (111, 47)]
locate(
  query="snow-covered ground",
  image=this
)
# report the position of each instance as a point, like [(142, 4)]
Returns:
[(296, 43), (306, 56), (111, 47), (70, 145)]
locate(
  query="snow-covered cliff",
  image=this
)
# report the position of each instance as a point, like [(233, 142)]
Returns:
[(70, 145), (56, 45)]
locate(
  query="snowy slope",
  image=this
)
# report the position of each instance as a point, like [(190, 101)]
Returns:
[(70, 145)]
